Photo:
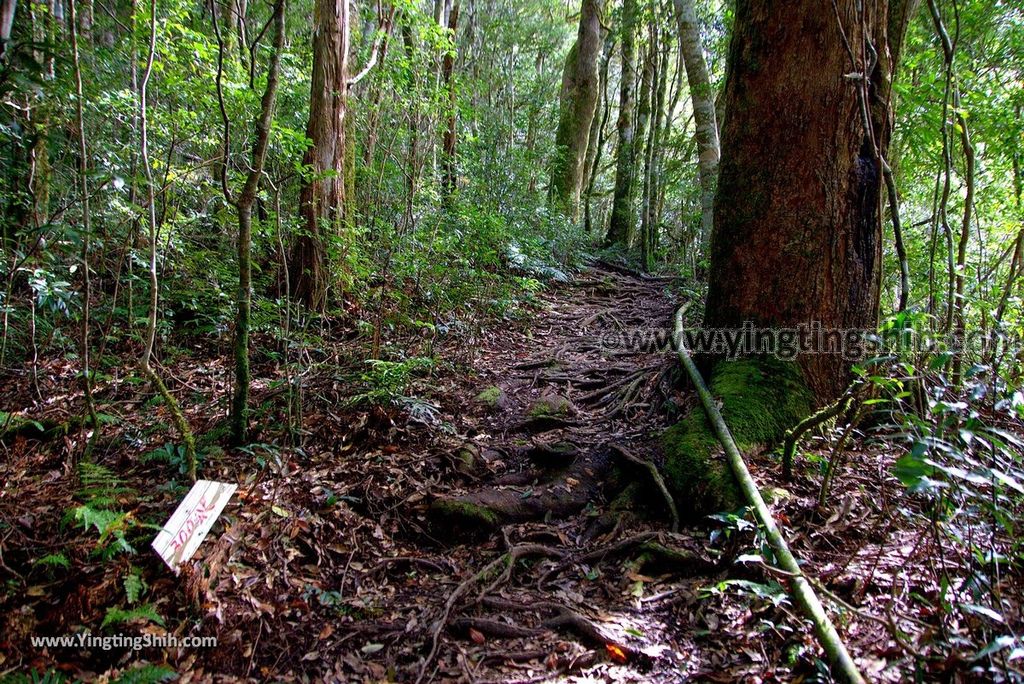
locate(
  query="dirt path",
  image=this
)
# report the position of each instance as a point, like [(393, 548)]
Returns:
[(336, 562), (560, 583), (567, 398)]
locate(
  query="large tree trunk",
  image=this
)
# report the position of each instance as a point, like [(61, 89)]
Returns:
[(323, 196), (580, 87), (798, 239), (620, 227), (703, 99)]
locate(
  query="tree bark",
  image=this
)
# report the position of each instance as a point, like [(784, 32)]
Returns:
[(323, 198), (578, 102), (243, 203), (703, 98), (648, 224), (620, 227), (798, 240), (451, 130), (7, 10), (595, 146)]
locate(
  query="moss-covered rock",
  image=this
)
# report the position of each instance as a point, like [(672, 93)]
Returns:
[(760, 399), (467, 459), (492, 397), (551, 406)]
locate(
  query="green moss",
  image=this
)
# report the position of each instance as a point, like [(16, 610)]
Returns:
[(627, 499), (490, 396), (465, 511), (760, 399), (550, 406)]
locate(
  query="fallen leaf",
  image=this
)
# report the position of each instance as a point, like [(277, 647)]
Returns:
[(616, 653)]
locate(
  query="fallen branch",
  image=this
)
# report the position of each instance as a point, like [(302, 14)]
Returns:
[(800, 587)]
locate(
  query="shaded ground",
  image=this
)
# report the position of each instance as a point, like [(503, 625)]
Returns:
[(332, 564)]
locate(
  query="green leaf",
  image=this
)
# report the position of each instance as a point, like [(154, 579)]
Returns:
[(134, 585), (119, 616)]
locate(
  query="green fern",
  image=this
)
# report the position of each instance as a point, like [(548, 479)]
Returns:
[(134, 585), (111, 527), (100, 486), (102, 490), (34, 677), (54, 560), (119, 616)]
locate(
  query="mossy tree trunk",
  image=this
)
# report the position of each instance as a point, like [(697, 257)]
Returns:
[(243, 203), (760, 399), (798, 240), (451, 129), (648, 213), (620, 227), (597, 135), (578, 102)]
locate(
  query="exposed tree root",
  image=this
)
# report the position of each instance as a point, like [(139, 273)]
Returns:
[(659, 482), (495, 628), (509, 559), (561, 496)]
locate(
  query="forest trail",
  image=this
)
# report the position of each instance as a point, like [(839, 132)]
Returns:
[(587, 588), (574, 392)]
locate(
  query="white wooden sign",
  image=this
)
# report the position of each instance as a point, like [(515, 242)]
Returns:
[(191, 522)]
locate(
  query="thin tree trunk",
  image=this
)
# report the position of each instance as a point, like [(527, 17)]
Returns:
[(620, 226), (578, 102), (451, 130), (897, 231), (180, 422), (83, 180), (1015, 267), (703, 99), (243, 204), (958, 304), (649, 227)]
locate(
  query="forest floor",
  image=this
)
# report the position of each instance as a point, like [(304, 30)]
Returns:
[(331, 562)]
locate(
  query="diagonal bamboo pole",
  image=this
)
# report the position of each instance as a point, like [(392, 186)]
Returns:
[(800, 587)]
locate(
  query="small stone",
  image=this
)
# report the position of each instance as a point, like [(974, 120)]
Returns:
[(493, 397)]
